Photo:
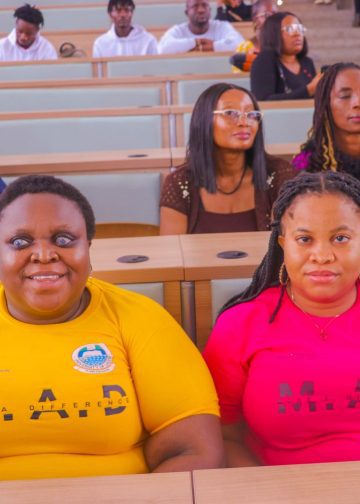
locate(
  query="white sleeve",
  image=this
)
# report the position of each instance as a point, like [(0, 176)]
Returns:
[(2, 53), (153, 46), (96, 52), (173, 42), (50, 52), (228, 38)]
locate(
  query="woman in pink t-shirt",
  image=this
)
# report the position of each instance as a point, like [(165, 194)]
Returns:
[(285, 353)]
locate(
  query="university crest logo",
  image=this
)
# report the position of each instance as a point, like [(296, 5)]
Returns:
[(93, 358)]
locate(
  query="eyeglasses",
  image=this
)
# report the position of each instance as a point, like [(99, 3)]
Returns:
[(234, 116), (293, 28)]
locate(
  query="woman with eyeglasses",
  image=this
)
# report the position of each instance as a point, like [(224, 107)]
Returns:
[(228, 182), (282, 70)]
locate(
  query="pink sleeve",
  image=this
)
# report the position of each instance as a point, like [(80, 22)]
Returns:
[(225, 360)]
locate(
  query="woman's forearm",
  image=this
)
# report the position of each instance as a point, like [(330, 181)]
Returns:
[(238, 455), (189, 462)]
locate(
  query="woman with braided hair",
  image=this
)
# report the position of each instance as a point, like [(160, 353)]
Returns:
[(334, 139), (284, 354)]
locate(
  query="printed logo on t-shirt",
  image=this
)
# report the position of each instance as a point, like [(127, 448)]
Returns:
[(93, 358)]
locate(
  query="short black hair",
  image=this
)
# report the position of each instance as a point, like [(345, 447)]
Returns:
[(30, 14), (268, 272), (117, 3), (200, 148), (40, 184), (270, 35)]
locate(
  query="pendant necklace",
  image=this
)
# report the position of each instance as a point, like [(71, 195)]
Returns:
[(322, 330), (228, 193)]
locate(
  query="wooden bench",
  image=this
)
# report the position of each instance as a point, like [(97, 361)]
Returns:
[(84, 130), (54, 70), (33, 99), (285, 122)]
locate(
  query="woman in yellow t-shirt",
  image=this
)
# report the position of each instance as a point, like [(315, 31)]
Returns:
[(249, 49), (94, 380)]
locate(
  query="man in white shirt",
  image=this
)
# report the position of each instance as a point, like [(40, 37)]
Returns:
[(25, 43), (200, 33), (124, 38)]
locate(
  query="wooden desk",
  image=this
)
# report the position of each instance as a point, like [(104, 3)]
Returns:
[(165, 264), (74, 162), (333, 483), (169, 488), (202, 265), (285, 150), (201, 262)]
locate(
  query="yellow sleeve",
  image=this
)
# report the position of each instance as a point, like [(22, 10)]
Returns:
[(170, 376), (245, 46)]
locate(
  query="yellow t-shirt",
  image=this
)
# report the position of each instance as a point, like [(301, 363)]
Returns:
[(81, 397), (245, 47)]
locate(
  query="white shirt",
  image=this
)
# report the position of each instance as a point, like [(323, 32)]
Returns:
[(138, 42), (40, 49), (179, 38)]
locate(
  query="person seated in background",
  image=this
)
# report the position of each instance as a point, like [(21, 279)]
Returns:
[(249, 49), (356, 20), (233, 11), (324, 2), (282, 69), (25, 43), (228, 182), (284, 354), (95, 380), (124, 38), (200, 33), (334, 141)]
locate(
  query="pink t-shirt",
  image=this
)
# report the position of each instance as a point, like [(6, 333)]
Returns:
[(298, 393)]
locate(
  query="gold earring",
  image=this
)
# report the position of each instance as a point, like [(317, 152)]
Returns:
[(283, 274)]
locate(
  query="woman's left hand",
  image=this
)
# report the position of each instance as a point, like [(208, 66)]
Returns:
[(194, 442)]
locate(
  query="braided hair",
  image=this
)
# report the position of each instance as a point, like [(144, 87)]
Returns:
[(267, 273), (321, 135)]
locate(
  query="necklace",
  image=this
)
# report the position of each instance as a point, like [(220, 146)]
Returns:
[(228, 193), (322, 330)]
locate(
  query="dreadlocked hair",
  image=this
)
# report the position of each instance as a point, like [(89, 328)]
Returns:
[(267, 273), (321, 135), (30, 14)]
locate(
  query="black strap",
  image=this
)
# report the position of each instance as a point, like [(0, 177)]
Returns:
[(287, 90)]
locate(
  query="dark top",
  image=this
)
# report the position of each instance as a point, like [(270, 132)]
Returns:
[(180, 193), (210, 222), (2, 185), (307, 160), (271, 80), (224, 13)]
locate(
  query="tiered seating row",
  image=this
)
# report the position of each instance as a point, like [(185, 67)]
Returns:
[(95, 17), (164, 66), (129, 128)]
